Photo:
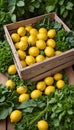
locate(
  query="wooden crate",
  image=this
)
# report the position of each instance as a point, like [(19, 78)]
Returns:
[(46, 67), (3, 125)]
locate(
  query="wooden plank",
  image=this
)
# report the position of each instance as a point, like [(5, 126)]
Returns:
[(3, 78), (3, 125)]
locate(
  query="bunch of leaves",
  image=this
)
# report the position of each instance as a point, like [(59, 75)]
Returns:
[(8, 100), (64, 40), (57, 109), (6, 56)]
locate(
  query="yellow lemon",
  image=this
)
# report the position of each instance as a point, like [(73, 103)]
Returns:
[(41, 85), (12, 69), (58, 52), (49, 51), (30, 60), (58, 76), (21, 89), (24, 38), (40, 58), (42, 36), (10, 83), (15, 116), (43, 30), (23, 97), (35, 93), (60, 84), (15, 37), (49, 89), (33, 51), (21, 31), (33, 31), (49, 80), (51, 33), (43, 125), (23, 63), (28, 28), (40, 44), (51, 42), (32, 39), (23, 45), (21, 54)]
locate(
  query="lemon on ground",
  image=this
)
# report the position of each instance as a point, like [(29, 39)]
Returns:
[(22, 89), (15, 116), (40, 58), (43, 30), (60, 84), (49, 89), (51, 33), (23, 63), (51, 42), (49, 80), (23, 45), (33, 31), (40, 44), (42, 36), (41, 85), (23, 97), (24, 38), (21, 31), (28, 28), (32, 39), (58, 52), (33, 51), (49, 51), (35, 93), (42, 125), (21, 54), (15, 37), (58, 76), (12, 69), (30, 60), (10, 83)]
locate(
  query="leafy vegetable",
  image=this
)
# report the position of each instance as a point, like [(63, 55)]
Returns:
[(57, 109)]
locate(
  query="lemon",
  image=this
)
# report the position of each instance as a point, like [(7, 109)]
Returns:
[(15, 116), (49, 89), (32, 40), (40, 58), (42, 36), (10, 83), (49, 51), (24, 38), (51, 42), (15, 37), (12, 69), (40, 44), (35, 93), (33, 31), (30, 60), (42, 125), (23, 97), (58, 52), (58, 76), (33, 51), (21, 89), (60, 84), (51, 33), (21, 31), (41, 85), (28, 28), (49, 80), (23, 63), (21, 54), (16, 45), (43, 30), (23, 45)]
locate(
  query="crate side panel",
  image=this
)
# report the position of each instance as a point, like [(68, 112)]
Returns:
[(3, 125)]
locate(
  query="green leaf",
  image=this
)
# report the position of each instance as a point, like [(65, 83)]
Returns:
[(20, 3), (61, 2), (69, 6), (31, 8), (13, 18), (2, 98), (50, 8)]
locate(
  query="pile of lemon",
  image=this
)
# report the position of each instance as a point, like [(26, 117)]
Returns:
[(34, 45)]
